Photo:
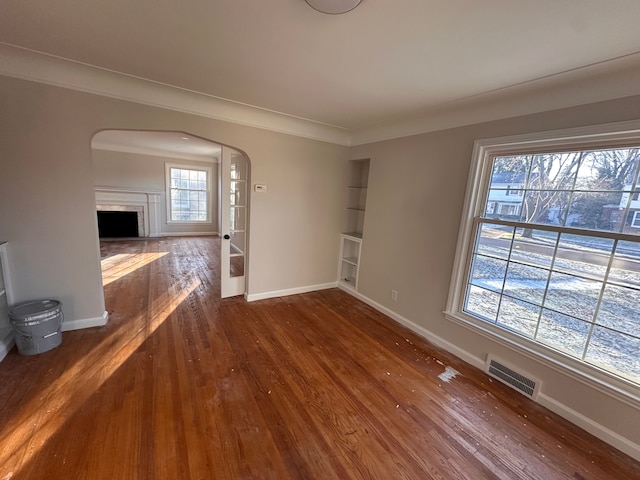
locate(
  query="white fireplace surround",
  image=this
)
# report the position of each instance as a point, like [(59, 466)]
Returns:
[(145, 203)]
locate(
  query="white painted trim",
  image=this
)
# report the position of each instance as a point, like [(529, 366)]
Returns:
[(167, 192), (152, 152), (584, 373), (423, 332), (477, 183), (605, 434), (106, 189), (252, 297), (6, 344), (189, 234), (608, 80), (35, 66), (68, 325)]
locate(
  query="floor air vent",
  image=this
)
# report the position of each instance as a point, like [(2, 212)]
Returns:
[(518, 381)]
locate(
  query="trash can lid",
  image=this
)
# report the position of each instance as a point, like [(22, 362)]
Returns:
[(31, 308)]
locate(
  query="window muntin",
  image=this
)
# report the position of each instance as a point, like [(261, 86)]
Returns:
[(560, 264), (188, 194)]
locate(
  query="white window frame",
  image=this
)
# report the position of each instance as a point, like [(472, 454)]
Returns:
[(598, 136), (188, 166), (635, 222)]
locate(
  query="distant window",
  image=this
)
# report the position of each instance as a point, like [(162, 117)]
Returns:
[(188, 193), (562, 272)]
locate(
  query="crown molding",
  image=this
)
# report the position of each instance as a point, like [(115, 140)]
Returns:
[(34, 66), (608, 80)]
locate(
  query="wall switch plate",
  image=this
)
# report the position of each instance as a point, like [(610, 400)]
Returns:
[(260, 187)]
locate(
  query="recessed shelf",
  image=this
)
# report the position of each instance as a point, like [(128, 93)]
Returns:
[(356, 235), (351, 260), (351, 239)]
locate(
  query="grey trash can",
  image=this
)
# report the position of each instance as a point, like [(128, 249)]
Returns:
[(37, 326)]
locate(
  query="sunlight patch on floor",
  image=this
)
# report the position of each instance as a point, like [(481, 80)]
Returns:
[(117, 266), (26, 433)]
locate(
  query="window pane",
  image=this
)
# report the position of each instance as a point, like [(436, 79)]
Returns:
[(188, 190), (488, 272), (526, 283), (534, 247), (583, 255), (482, 303), (596, 211), (620, 310), (563, 332), (519, 316), (494, 240), (615, 351), (573, 295), (576, 293), (613, 169), (553, 171), (545, 207), (625, 268)]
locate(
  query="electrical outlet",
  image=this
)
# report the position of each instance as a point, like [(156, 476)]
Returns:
[(394, 295)]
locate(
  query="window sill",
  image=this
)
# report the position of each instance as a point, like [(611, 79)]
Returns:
[(592, 376), (187, 222)]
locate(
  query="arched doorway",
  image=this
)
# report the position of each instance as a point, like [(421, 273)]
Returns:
[(172, 183)]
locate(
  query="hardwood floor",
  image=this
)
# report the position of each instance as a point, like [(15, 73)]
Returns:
[(183, 385)]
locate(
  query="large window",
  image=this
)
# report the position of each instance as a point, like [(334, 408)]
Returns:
[(188, 193), (558, 270)]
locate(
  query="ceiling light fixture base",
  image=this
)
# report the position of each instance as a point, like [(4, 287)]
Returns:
[(333, 7)]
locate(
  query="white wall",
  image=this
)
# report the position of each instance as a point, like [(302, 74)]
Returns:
[(133, 171), (415, 197), (47, 204)]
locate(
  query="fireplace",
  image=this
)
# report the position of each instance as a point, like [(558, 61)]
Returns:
[(117, 224), (138, 210)]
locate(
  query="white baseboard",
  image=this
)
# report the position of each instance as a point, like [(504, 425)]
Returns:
[(423, 332), (603, 433), (68, 325), (188, 234), (289, 291), (6, 344)]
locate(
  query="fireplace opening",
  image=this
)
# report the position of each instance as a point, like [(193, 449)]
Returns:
[(117, 224)]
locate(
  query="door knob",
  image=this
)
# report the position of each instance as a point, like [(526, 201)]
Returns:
[(226, 237)]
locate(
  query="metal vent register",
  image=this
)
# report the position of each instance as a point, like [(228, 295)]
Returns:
[(515, 380)]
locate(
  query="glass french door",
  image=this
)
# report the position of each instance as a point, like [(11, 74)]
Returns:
[(235, 190)]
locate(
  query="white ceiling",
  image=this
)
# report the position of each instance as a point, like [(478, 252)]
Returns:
[(380, 64)]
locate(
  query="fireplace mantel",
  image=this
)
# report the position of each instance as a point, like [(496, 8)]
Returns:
[(145, 203)]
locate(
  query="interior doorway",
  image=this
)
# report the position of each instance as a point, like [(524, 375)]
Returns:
[(172, 184)]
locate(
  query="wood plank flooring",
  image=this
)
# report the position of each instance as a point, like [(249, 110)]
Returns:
[(183, 385)]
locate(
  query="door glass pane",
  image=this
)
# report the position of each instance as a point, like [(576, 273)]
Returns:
[(238, 167), (236, 244), (237, 266), (238, 193), (237, 218), (237, 214)]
